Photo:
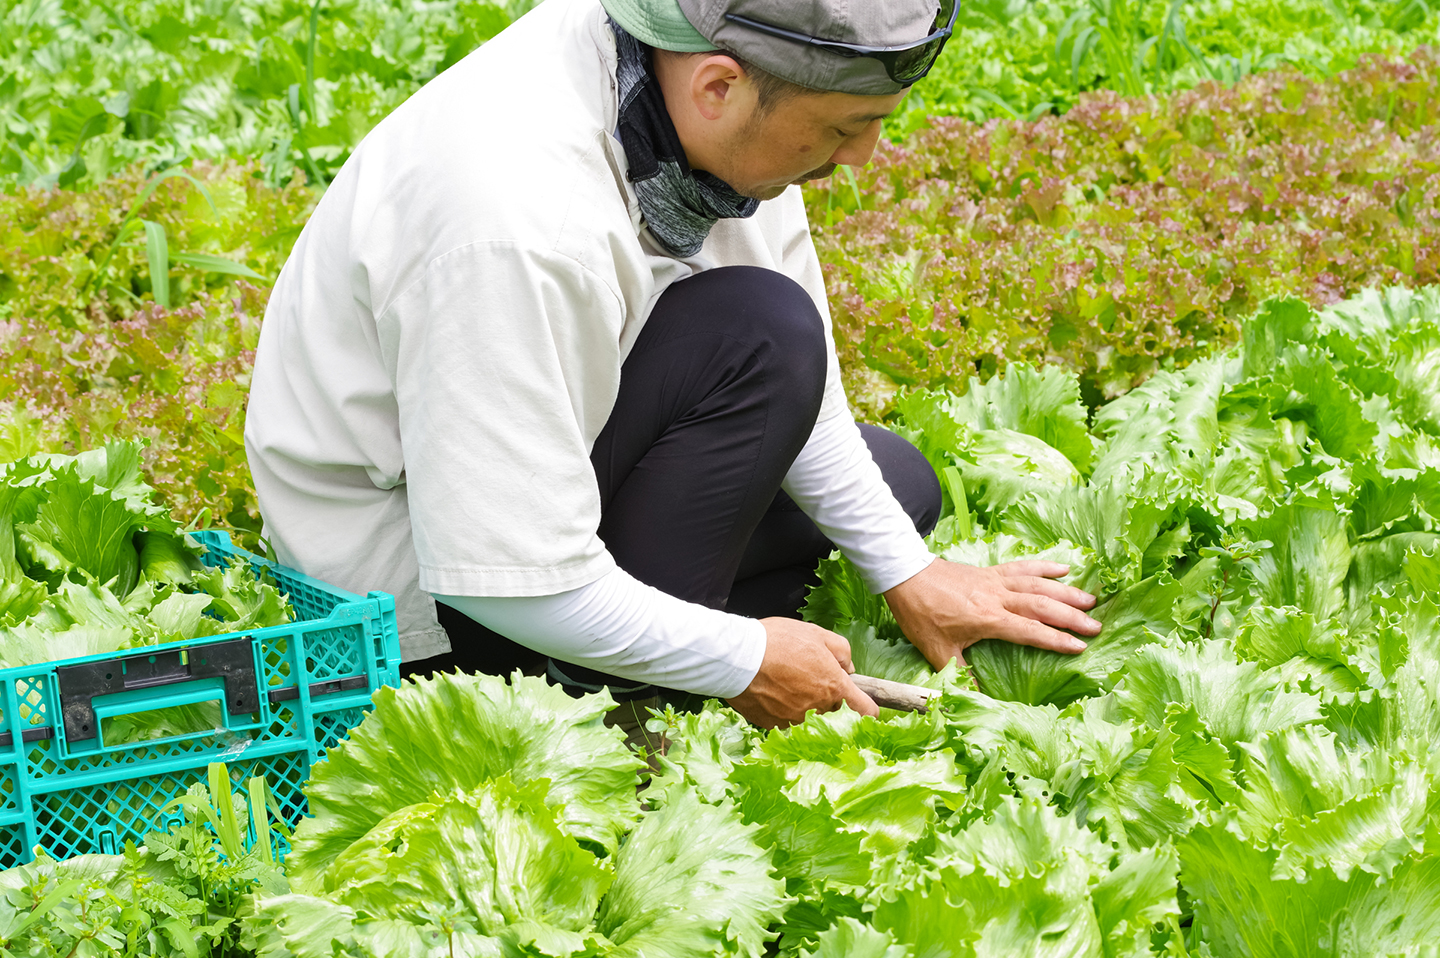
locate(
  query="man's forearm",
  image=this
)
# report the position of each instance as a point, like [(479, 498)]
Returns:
[(622, 627), (836, 482)]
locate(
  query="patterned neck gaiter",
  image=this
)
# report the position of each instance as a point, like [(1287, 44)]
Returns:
[(680, 205)]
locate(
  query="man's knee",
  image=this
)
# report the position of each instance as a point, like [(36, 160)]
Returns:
[(766, 310), (908, 474)]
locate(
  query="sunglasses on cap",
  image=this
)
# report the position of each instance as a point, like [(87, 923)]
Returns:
[(905, 63)]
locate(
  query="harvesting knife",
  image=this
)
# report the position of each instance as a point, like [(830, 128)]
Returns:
[(895, 695)]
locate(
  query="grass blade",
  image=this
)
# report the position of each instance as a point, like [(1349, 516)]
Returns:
[(216, 264), (996, 99), (1084, 41), (224, 801), (955, 486), (157, 251), (260, 817), (849, 175)]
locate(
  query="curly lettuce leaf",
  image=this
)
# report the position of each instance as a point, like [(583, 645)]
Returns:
[(842, 597), (883, 782), (1248, 470), (1307, 559), (307, 926), (458, 731), (495, 855), (1168, 424), (897, 661), (1044, 403), (1234, 701), (849, 938), (1137, 785), (167, 558), (1270, 337), (1029, 881), (1114, 526), (704, 746), (1303, 647), (811, 846), (82, 531), (1323, 806), (28, 644), (1308, 388), (1242, 907), (242, 599), (691, 881), (115, 468), (20, 596), (1002, 467)]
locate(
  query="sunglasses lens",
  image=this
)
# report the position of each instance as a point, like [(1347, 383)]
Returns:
[(910, 65), (945, 13)]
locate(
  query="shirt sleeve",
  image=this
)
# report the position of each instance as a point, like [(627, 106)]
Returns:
[(505, 364), (838, 485), (620, 626)]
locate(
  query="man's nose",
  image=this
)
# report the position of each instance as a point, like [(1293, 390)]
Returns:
[(857, 150)]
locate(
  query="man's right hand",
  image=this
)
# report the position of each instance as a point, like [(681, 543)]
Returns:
[(805, 667)]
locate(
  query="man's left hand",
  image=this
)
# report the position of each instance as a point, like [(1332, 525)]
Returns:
[(948, 607)]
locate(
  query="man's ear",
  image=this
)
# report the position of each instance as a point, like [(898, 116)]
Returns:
[(718, 85)]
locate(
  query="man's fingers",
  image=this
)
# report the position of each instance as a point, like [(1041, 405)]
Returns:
[(1023, 631), (1050, 611), (858, 700), (1058, 591), (1048, 570), (839, 647)]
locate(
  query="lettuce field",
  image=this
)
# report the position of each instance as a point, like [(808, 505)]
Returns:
[(1151, 283)]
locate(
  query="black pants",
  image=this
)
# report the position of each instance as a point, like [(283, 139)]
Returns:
[(717, 398)]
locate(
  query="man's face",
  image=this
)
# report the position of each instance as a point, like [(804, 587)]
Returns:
[(761, 153), (801, 138)]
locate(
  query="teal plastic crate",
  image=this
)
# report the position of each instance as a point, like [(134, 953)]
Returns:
[(285, 694)]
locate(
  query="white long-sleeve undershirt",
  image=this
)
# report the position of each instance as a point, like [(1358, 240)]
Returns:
[(836, 482), (622, 627)]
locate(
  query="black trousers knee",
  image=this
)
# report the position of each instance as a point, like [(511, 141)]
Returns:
[(717, 397)]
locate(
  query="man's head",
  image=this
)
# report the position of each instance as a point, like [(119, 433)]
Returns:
[(766, 93)]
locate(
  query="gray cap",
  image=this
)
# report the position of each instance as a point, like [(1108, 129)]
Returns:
[(692, 26)]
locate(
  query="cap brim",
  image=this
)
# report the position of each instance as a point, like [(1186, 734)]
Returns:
[(658, 23)]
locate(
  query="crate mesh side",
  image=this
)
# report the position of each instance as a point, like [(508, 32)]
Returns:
[(284, 724), (332, 653), (12, 846), (45, 763), (275, 667), (286, 775), (9, 794), (309, 602), (332, 727), (67, 821), (30, 693)]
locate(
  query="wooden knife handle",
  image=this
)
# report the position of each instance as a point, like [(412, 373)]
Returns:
[(895, 695)]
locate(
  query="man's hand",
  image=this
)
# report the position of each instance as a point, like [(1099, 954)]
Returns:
[(805, 667), (949, 607)]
